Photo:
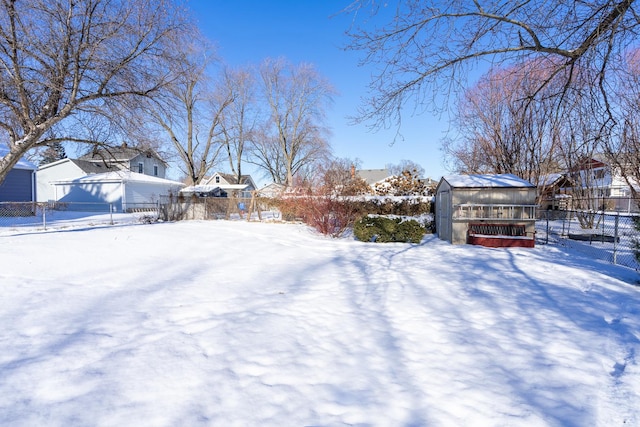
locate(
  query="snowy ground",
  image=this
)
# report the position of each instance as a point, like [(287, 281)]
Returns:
[(247, 324)]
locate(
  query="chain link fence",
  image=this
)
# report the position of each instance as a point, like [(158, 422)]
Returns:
[(213, 208), (15, 215), (611, 237)]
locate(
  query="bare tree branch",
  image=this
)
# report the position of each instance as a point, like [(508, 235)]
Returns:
[(427, 48), (63, 60)]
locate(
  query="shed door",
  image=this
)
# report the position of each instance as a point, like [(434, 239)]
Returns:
[(443, 215)]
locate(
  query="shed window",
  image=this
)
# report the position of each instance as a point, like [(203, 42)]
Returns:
[(155, 170), (140, 167)]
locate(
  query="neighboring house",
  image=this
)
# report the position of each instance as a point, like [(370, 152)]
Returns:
[(593, 184), (126, 191), (491, 210), (144, 161), (602, 179), (430, 185), (20, 183), (373, 176), (100, 160), (272, 190), (228, 186), (553, 192)]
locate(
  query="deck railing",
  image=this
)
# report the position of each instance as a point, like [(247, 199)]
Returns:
[(494, 211)]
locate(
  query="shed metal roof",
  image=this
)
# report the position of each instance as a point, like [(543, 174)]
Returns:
[(487, 181)]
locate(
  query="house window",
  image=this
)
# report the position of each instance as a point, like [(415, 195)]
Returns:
[(140, 167), (155, 170), (217, 180)]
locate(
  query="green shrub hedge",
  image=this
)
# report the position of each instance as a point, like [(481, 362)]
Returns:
[(383, 229)]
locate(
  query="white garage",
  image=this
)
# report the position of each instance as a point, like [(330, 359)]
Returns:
[(124, 190)]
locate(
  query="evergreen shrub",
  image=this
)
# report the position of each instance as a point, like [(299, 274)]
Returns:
[(383, 229)]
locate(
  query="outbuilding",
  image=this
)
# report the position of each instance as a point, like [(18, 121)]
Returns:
[(124, 190), (20, 183), (490, 210)]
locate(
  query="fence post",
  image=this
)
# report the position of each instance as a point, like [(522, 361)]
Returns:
[(44, 216), (111, 213), (615, 238), (547, 238)]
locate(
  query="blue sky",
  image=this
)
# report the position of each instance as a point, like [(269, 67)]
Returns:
[(247, 31)]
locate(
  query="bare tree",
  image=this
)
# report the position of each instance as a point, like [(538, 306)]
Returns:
[(582, 142), (623, 148), (295, 136), (64, 62), (501, 131), (189, 111), (428, 47), (405, 165), (241, 120), (338, 177)]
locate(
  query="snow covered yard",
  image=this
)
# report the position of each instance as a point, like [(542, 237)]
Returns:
[(235, 323)]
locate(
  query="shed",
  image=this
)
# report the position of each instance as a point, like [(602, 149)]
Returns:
[(125, 190), (490, 210), (20, 183)]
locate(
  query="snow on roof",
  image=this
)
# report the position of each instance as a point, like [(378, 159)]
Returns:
[(119, 176), (119, 154), (550, 179), (22, 163), (84, 165), (491, 180), (199, 188)]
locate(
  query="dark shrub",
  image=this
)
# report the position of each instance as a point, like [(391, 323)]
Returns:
[(382, 229)]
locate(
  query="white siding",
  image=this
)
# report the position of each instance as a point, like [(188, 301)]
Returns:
[(142, 194), (90, 193), (63, 170)]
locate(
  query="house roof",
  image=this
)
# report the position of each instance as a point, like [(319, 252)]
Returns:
[(209, 188), (83, 165), (121, 153), (489, 180), (22, 163), (229, 178), (371, 176), (554, 179), (119, 176), (272, 188)]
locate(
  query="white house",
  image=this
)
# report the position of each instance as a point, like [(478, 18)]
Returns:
[(272, 190), (102, 160), (226, 184), (124, 190)]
